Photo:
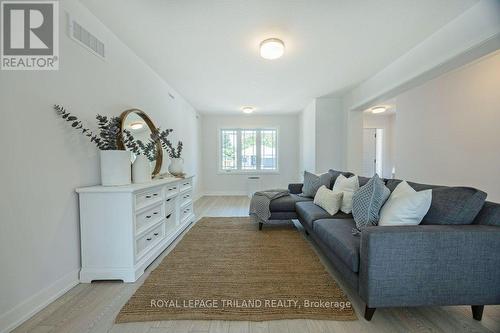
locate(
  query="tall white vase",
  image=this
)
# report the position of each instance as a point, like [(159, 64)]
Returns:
[(115, 167), (141, 170), (176, 166)]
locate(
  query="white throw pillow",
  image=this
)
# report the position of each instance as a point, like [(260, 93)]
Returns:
[(347, 186), (405, 206), (328, 200)]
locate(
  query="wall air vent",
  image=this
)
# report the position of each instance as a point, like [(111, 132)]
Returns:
[(83, 37)]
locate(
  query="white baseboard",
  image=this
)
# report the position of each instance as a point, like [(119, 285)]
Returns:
[(29, 307), (197, 196), (224, 193)]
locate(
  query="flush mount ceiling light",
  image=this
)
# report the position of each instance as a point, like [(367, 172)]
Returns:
[(378, 109), (247, 109), (272, 48), (136, 125)]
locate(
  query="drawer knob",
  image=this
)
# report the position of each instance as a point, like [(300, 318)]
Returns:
[(156, 234), (156, 194), (148, 239), (148, 216), (148, 197), (168, 216), (155, 213), (169, 199)]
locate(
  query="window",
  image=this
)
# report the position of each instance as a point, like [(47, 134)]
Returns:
[(248, 150)]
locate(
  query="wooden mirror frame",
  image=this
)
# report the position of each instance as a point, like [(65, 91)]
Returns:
[(152, 127)]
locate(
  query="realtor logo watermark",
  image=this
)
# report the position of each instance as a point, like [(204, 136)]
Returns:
[(30, 35)]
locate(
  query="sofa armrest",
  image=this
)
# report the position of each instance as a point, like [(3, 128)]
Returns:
[(430, 265), (295, 188)]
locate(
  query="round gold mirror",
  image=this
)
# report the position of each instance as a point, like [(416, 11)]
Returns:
[(141, 127)]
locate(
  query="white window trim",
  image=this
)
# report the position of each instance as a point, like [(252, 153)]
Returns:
[(238, 171)]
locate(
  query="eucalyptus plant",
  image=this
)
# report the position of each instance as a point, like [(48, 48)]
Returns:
[(110, 134), (109, 129), (162, 136), (173, 153), (138, 147)]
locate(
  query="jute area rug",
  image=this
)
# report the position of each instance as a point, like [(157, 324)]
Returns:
[(226, 269)]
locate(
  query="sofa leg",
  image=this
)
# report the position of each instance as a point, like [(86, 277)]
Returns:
[(260, 225), (369, 312), (477, 311)]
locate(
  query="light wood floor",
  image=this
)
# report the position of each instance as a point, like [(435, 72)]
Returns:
[(93, 307)]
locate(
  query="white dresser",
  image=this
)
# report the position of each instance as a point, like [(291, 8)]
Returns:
[(124, 228)]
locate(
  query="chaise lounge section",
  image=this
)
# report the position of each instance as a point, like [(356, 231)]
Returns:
[(451, 258)]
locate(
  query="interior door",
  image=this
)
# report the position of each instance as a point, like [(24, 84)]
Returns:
[(369, 151)]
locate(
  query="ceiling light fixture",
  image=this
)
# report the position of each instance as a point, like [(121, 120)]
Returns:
[(272, 48), (247, 109), (379, 109), (136, 125)]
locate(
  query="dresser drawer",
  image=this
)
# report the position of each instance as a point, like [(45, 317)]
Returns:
[(169, 204), (148, 197), (186, 197), (170, 217), (185, 184), (186, 212), (151, 238), (171, 190), (170, 225), (149, 217)]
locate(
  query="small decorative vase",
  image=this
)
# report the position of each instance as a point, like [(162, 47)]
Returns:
[(141, 170), (115, 167), (176, 166)]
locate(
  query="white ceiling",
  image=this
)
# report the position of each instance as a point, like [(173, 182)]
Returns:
[(208, 50)]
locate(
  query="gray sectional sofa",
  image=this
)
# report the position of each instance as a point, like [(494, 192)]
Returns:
[(451, 258)]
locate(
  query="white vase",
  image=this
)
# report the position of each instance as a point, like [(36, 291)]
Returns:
[(176, 166), (141, 170), (115, 167)]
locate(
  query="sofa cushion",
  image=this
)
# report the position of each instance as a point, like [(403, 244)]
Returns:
[(450, 205), (405, 206), (335, 174), (454, 205), (295, 188), (337, 235), (367, 201), (348, 186), (328, 200), (286, 203), (308, 212), (313, 182), (489, 214)]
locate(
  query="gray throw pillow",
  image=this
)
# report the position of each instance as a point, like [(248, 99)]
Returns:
[(367, 201), (313, 182)]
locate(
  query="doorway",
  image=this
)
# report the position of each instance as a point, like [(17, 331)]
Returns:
[(372, 151)]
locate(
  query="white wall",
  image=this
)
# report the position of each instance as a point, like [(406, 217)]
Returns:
[(234, 184), (387, 123), (471, 35), (330, 135), (448, 130), (322, 136), (43, 160), (307, 135)]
